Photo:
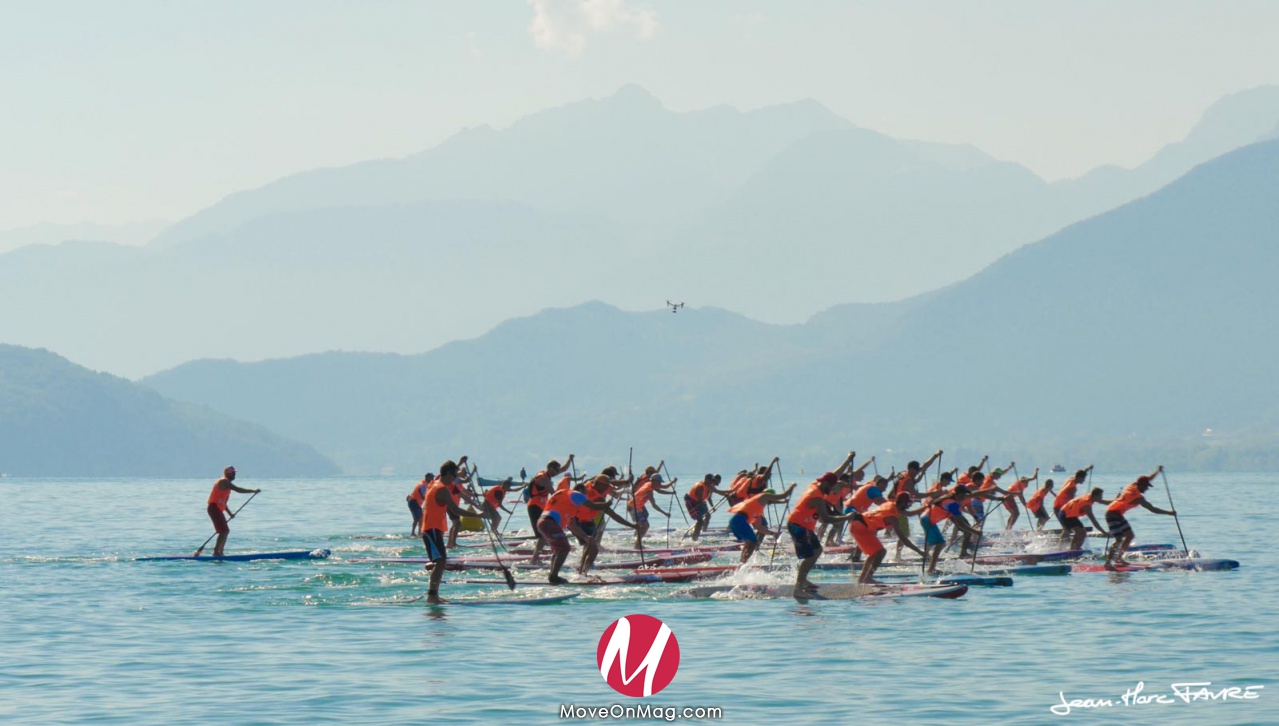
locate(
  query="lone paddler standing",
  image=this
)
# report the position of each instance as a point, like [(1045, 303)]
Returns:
[(218, 511), (436, 510)]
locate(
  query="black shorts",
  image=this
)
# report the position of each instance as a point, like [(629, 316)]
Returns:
[(1039, 513), (434, 541), (534, 514), (1117, 524), (1071, 522)]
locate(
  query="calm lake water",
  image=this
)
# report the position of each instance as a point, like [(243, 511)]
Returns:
[(87, 635)]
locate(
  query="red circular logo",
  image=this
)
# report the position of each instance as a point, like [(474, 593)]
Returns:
[(638, 655)]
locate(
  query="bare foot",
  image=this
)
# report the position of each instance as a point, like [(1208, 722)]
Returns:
[(435, 599)]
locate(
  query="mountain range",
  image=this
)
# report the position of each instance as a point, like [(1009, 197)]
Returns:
[(58, 419), (777, 213), (1145, 323)]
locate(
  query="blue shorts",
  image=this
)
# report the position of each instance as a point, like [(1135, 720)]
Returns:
[(979, 509), (1061, 519), (806, 544), (416, 510), (742, 529), (434, 541), (932, 533), (641, 514), (696, 509)]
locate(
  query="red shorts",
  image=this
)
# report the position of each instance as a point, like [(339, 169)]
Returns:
[(865, 539), (219, 520)]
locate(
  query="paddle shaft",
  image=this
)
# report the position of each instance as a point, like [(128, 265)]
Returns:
[(488, 528), (630, 471), (785, 511), (215, 534), (1175, 518)]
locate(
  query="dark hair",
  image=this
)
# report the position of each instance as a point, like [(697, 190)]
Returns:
[(610, 472), (912, 465), (1080, 475), (552, 464), (978, 476), (1096, 493), (448, 468), (1048, 482)]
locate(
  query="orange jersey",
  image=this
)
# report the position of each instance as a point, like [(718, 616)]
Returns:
[(1037, 499), (561, 502), (877, 518), (1066, 493), (1018, 486), (418, 493), (643, 494), (435, 515), (219, 496), (565, 484), (539, 489), (585, 513), (805, 512), (494, 496), (860, 501), (1077, 506), (752, 507), (1126, 500), (700, 492)]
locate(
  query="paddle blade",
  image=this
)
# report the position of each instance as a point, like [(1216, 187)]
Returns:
[(197, 552), (510, 579)]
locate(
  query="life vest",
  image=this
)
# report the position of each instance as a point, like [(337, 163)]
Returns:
[(539, 489), (940, 512), (418, 494), (585, 513), (494, 496), (1126, 500), (1077, 506), (753, 508), (219, 496), (561, 503), (1066, 493), (435, 515), (700, 492), (805, 512), (642, 495), (1037, 499), (876, 517), (861, 499)]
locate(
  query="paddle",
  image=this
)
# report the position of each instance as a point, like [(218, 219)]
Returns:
[(673, 502), (215, 534), (1185, 550), (630, 471), (488, 528), (781, 478)]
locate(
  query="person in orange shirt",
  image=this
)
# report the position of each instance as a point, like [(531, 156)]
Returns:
[(817, 504), (1017, 492), (492, 505), (746, 520), (436, 510), (645, 487), (1035, 505), (944, 506), (218, 510), (1132, 496), (538, 491), (562, 511), (1073, 510), (1067, 492), (416, 495), (697, 502), (865, 526)]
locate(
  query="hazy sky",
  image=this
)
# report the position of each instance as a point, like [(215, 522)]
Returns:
[(143, 109)]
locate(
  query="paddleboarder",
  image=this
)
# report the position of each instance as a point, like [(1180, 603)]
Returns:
[(697, 502), (1071, 512), (1132, 496), (1035, 505), (538, 491), (492, 507), (564, 509), (218, 510), (864, 527), (747, 519), (1067, 492), (645, 487), (415, 498), (1018, 492), (438, 506), (817, 504), (945, 506)]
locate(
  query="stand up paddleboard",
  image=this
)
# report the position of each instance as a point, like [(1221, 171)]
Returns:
[(548, 600), (833, 591), (292, 555)]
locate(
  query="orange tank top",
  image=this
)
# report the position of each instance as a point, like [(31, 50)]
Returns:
[(585, 513), (1077, 506), (642, 496), (435, 515), (219, 496), (539, 489), (1037, 498), (805, 512), (561, 502), (1126, 500), (753, 508), (495, 496), (860, 501), (1066, 493), (876, 518), (700, 492)]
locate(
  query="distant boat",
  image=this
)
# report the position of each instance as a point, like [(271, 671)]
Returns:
[(1058, 468)]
